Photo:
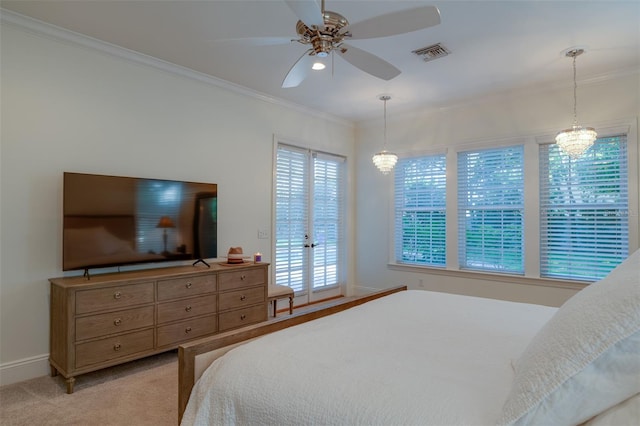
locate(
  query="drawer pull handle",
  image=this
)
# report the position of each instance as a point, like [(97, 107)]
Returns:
[(117, 347), (187, 330), (117, 295), (242, 317), (243, 297), (189, 284), (242, 277), (117, 321), (188, 309)]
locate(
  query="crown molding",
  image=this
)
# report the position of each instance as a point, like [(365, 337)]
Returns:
[(54, 32)]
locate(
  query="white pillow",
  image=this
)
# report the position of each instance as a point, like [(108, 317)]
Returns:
[(585, 359), (625, 413)]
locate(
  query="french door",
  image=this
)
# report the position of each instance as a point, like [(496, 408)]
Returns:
[(309, 223)]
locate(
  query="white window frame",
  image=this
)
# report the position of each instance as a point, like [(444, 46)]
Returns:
[(428, 208), (531, 220)]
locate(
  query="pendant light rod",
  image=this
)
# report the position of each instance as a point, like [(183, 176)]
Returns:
[(573, 53), (385, 98)]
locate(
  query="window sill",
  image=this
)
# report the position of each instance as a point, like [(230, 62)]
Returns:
[(513, 279)]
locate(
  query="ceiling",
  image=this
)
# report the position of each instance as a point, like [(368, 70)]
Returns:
[(495, 46)]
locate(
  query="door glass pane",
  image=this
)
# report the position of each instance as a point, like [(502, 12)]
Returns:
[(327, 220), (292, 198)]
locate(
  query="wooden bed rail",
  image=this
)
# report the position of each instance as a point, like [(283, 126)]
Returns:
[(187, 352)]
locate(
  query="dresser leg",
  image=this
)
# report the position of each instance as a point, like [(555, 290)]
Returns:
[(53, 371), (70, 382)]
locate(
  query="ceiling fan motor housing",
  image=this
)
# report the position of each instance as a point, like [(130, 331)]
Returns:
[(323, 40)]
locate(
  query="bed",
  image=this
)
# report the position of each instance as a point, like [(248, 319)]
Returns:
[(417, 357)]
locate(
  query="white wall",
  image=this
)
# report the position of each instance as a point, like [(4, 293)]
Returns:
[(525, 116), (66, 107)]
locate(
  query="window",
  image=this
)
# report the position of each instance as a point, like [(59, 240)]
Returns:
[(491, 210), (584, 210), (420, 204), (543, 216)]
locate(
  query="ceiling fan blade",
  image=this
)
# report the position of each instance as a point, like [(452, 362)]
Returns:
[(254, 41), (298, 71), (368, 62), (394, 23), (308, 11)]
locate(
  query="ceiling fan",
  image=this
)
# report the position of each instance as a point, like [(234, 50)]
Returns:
[(324, 32)]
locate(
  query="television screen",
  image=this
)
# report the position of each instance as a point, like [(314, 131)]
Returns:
[(113, 221)]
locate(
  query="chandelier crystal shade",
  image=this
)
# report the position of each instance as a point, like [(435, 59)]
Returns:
[(575, 141), (385, 160)]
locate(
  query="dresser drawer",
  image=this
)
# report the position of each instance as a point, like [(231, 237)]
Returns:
[(187, 308), (113, 322), (238, 279), (111, 298), (113, 347), (242, 317), (186, 287), (241, 298), (186, 330)]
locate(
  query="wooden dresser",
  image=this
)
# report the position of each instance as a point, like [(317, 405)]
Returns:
[(119, 317)]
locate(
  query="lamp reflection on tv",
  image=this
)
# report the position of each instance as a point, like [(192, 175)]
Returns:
[(165, 223)]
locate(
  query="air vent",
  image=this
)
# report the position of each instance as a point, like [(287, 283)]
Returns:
[(432, 52)]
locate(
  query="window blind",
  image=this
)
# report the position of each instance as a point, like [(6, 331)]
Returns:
[(328, 219), (584, 210), (292, 201), (491, 209), (420, 210)]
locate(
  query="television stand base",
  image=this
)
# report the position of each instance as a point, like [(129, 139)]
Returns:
[(201, 260)]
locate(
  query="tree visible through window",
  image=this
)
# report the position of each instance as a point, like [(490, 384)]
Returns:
[(491, 209), (584, 210), (420, 185)]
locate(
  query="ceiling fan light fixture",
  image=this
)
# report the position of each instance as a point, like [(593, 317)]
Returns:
[(317, 66), (385, 160), (324, 33), (577, 140)]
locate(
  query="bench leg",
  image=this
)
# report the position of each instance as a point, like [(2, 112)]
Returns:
[(290, 305)]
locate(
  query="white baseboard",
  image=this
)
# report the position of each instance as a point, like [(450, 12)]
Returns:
[(24, 369)]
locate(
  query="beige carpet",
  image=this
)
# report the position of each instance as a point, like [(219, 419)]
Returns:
[(143, 392)]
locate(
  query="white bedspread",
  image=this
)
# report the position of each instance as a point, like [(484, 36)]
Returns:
[(414, 357)]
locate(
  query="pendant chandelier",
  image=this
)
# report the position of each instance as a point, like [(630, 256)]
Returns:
[(576, 140), (385, 160)]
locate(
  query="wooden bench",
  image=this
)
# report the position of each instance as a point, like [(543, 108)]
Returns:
[(280, 292)]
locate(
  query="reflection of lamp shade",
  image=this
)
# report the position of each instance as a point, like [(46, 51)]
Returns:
[(165, 222)]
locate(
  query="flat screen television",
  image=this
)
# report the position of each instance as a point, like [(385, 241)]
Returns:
[(116, 221)]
